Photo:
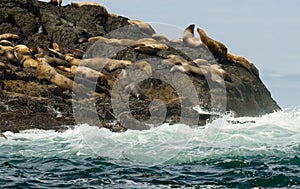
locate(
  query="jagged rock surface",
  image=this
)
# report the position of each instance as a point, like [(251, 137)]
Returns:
[(28, 102)]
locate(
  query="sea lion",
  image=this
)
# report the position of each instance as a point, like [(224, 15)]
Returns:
[(29, 62), (177, 40), (86, 72), (5, 49), (5, 42), (217, 49), (112, 41), (243, 62), (8, 52), (63, 68), (146, 28), (178, 60), (188, 69), (54, 61), (160, 38), (8, 36), (216, 69), (112, 15), (149, 48), (81, 4), (135, 90), (21, 50), (200, 62), (145, 66), (98, 63), (93, 4), (24, 56), (55, 46), (130, 87), (189, 38), (209, 72), (113, 64), (45, 71), (56, 2), (72, 60)]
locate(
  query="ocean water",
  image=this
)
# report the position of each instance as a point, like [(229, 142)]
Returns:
[(247, 152)]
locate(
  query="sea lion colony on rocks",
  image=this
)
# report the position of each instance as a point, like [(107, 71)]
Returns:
[(43, 65)]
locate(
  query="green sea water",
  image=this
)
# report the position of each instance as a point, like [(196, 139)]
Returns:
[(262, 152)]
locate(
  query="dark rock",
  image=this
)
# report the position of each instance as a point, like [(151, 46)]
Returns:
[(28, 102)]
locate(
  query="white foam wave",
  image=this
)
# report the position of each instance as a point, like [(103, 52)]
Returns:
[(278, 132)]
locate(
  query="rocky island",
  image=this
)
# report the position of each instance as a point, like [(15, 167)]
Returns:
[(66, 65)]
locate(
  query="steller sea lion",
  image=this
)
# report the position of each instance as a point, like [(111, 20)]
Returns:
[(150, 48), (200, 61), (45, 71), (8, 36), (189, 38), (92, 4), (243, 62), (217, 49), (160, 38), (56, 2), (24, 56), (145, 66), (5, 42), (212, 72)]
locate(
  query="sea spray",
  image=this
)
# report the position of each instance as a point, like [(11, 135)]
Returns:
[(241, 152)]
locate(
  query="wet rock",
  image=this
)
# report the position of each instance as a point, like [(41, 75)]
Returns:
[(29, 100)]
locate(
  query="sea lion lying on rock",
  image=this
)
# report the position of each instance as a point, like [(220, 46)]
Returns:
[(93, 4), (243, 62), (9, 36), (45, 71)]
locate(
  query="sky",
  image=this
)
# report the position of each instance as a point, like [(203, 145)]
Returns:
[(265, 32)]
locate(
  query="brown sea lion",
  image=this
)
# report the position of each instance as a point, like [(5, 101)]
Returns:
[(200, 62), (93, 4), (5, 42), (56, 2), (216, 69), (9, 36), (244, 62), (130, 87), (98, 63), (210, 72), (112, 41), (178, 60), (24, 56), (189, 69), (160, 38), (45, 71), (217, 49), (177, 40), (145, 66), (5, 49), (189, 38), (63, 68), (150, 48)]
